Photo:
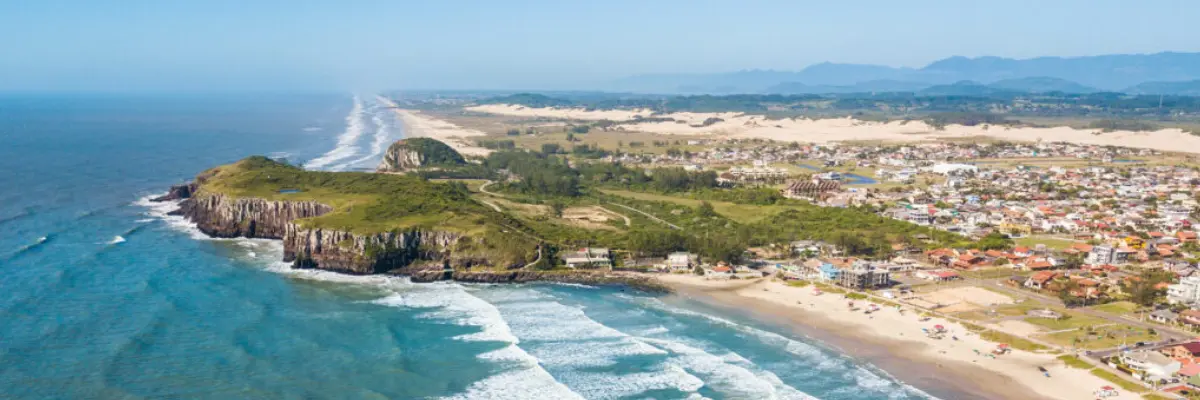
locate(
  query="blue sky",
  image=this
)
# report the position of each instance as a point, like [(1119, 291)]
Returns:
[(304, 45)]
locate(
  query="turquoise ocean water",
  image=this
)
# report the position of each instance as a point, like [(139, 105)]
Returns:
[(104, 296)]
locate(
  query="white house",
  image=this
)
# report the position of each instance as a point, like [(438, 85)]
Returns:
[(1150, 365)]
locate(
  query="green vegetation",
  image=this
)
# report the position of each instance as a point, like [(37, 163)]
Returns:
[(1051, 243), (1118, 380), (362, 202), (1117, 307), (1075, 362), (433, 152)]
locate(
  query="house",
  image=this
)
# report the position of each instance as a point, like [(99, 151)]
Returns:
[(1149, 365), (682, 261), (588, 257), (1039, 280), (1190, 317), (1164, 317), (722, 270), (829, 273), (1186, 350), (941, 275)]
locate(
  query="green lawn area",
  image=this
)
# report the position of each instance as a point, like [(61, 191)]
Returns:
[(736, 212), (1117, 307), (1074, 321), (1075, 362), (1050, 242), (1106, 337), (1118, 380)]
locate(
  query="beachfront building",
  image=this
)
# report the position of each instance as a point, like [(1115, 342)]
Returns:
[(1150, 365), (1187, 291), (863, 275), (588, 257), (682, 261)]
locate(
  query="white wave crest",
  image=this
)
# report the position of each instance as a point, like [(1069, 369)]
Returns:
[(866, 378), (117, 240), (574, 345), (346, 144), (380, 142)]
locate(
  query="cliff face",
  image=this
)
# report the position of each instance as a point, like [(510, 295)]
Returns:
[(413, 153), (222, 216)]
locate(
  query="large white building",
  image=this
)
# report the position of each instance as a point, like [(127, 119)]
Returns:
[(1187, 291)]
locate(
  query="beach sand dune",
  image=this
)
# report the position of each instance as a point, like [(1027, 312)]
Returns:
[(904, 333), (827, 130)]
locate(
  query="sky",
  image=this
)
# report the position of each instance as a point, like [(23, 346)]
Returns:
[(164, 45)]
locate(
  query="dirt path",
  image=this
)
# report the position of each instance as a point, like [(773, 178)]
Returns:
[(647, 215)]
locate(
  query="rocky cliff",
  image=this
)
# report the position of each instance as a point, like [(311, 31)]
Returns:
[(218, 215), (408, 154)]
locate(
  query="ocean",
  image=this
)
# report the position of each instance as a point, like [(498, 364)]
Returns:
[(105, 296)]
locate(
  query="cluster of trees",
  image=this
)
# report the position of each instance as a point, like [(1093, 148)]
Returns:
[(680, 180), (539, 174)]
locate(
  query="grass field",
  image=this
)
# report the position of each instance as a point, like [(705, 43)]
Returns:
[(1117, 307), (1050, 242), (736, 212)]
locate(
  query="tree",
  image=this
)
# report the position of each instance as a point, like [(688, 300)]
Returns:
[(570, 137), (995, 241), (550, 148), (513, 132), (557, 207), (705, 209)]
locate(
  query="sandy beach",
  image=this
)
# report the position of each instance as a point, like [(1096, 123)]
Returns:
[(1009, 376), (420, 125), (827, 130)]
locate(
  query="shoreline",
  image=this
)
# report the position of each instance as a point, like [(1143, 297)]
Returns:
[(416, 125), (896, 344)]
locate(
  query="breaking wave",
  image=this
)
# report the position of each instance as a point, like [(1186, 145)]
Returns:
[(347, 142)]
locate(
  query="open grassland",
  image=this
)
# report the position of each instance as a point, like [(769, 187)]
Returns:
[(1052, 243), (362, 202), (736, 212)]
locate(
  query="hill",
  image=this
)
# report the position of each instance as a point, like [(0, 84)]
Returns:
[(414, 153), (1184, 88), (1042, 84), (1094, 73)]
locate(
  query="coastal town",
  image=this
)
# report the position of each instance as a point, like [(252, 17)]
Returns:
[(1087, 252)]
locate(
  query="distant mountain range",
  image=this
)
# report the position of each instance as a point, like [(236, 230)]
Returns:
[(1160, 73)]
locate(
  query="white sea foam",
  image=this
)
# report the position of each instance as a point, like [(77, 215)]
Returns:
[(734, 379), (573, 345), (381, 139), (346, 145), (873, 380), (117, 240), (523, 378)]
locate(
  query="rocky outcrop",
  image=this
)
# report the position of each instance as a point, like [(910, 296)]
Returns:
[(223, 216), (413, 153), (351, 253), (177, 192)]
